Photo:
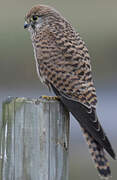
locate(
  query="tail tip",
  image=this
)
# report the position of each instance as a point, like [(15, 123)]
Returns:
[(105, 178), (115, 157), (105, 174)]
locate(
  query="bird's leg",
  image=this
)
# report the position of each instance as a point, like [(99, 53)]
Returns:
[(50, 97)]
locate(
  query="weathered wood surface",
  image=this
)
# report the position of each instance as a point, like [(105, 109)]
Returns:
[(34, 140)]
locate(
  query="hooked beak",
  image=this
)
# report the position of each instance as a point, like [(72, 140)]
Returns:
[(26, 25)]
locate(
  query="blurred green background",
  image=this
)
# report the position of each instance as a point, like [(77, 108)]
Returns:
[(96, 21)]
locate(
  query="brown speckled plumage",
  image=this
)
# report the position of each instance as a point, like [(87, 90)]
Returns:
[(63, 63), (98, 155)]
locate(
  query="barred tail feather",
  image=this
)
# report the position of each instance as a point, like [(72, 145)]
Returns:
[(98, 156), (93, 132)]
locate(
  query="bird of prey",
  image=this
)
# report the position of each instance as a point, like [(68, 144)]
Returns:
[(63, 64)]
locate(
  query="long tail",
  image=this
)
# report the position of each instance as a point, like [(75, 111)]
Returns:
[(93, 132), (98, 155)]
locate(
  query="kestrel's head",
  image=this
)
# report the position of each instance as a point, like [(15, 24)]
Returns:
[(38, 15)]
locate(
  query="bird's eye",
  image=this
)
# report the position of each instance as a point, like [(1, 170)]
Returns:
[(34, 17)]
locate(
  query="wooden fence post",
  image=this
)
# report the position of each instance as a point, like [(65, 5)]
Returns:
[(34, 140)]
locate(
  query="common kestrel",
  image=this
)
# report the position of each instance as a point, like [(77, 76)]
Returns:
[(63, 64)]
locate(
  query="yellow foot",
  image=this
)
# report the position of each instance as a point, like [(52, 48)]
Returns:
[(50, 97)]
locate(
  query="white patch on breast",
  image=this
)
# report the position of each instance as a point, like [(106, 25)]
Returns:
[(42, 78)]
